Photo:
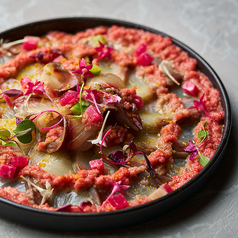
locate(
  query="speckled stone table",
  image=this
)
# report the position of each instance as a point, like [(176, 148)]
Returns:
[(210, 27)]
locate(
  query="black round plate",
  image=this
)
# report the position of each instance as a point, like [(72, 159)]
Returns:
[(116, 219)]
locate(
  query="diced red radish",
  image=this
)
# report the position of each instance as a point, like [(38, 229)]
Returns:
[(138, 101), (168, 188), (144, 59), (190, 88), (59, 58), (93, 114), (31, 43), (118, 201), (97, 164), (19, 161), (7, 171), (69, 97), (140, 49)]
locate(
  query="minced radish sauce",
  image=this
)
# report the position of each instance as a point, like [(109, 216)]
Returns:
[(102, 120)]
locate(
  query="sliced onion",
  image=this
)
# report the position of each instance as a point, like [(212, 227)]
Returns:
[(78, 134), (108, 79), (58, 78)]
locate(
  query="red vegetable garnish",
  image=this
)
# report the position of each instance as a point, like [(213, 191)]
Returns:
[(104, 51), (35, 116), (144, 59), (30, 44), (200, 106), (19, 161), (138, 101), (97, 164), (116, 187), (118, 201), (168, 188), (7, 171), (140, 49), (70, 97), (93, 114), (190, 88), (84, 70)]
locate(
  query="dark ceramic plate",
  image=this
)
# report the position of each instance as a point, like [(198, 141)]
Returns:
[(130, 216)]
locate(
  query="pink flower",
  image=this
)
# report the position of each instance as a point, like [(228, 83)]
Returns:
[(104, 51), (200, 106), (31, 87), (84, 70)]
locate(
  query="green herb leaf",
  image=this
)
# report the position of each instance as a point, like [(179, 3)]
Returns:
[(4, 134), (4, 143), (202, 134), (203, 160), (23, 131), (98, 38)]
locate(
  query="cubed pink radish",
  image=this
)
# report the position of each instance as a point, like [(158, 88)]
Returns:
[(190, 88), (144, 59), (7, 171), (93, 114), (118, 201), (97, 164), (19, 161), (31, 43)]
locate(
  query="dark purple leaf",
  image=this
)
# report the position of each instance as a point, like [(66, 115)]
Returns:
[(13, 92)]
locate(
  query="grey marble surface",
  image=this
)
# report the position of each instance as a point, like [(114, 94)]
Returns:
[(209, 27)]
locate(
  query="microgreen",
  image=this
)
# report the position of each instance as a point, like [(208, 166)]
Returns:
[(203, 160), (200, 106), (45, 193), (24, 130), (84, 70), (116, 187), (202, 134), (104, 51)]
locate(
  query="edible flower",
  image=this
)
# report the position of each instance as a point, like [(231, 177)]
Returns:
[(200, 106), (116, 187), (203, 160), (45, 193), (104, 51), (53, 53), (192, 149), (124, 156), (84, 70), (37, 87)]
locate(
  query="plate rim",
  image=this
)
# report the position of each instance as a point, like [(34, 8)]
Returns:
[(190, 51)]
